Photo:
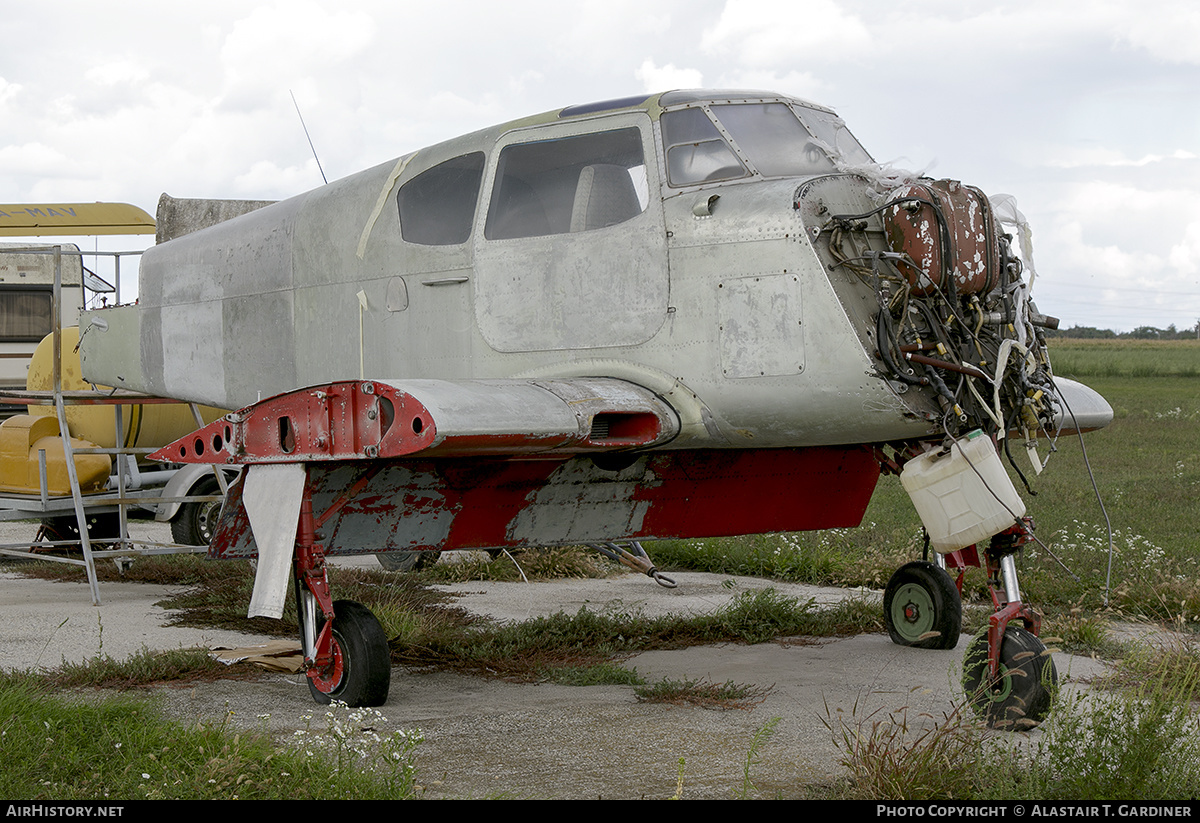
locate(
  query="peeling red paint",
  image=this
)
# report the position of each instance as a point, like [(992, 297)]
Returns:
[(491, 503)]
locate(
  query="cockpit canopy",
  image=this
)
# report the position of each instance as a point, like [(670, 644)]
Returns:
[(559, 178), (706, 140)]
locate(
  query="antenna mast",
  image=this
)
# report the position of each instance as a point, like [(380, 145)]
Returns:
[(306, 134)]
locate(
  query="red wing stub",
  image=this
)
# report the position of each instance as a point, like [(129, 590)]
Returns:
[(369, 419), (339, 421)]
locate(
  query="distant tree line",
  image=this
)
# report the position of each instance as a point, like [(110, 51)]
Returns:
[(1140, 333)]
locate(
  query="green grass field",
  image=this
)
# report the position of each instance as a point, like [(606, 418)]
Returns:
[(1125, 358)]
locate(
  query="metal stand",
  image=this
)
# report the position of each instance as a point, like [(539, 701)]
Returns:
[(26, 506)]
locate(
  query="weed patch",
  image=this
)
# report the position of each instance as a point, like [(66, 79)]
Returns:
[(553, 563), (1138, 743), (704, 694), (895, 756), (600, 674), (142, 669)]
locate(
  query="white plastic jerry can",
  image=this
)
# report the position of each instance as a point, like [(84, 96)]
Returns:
[(962, 494)]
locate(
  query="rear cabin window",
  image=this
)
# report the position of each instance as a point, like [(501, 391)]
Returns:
[(437, 207), (572, 184), (26, 314)]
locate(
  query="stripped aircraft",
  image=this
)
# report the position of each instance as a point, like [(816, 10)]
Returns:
[(689, 314)]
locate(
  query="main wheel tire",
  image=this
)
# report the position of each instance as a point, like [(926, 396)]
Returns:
[(406, 561), (194, 523), (361, 672), (922, 608), (1020, 697)]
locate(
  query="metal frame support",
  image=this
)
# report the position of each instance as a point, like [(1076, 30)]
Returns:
[(42, 503)]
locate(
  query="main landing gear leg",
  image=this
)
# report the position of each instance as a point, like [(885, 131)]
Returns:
[(345, 649)]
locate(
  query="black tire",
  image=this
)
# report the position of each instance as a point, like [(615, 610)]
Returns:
[(1020, 697), (362, 669), (922, 608), (194, 523), (406, 561), (100, 528)]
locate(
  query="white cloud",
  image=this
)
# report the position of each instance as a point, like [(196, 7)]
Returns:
[(267, 176), (276, 45), (767, 33), (117, 72), (1072, 158), (656, 78), (1168, 31), (31, 159), (8, 91), (1184, 256), (805, 84)]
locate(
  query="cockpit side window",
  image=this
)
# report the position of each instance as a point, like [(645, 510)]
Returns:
[(696, 151), (831, 130), (572, 184), (437, 207)]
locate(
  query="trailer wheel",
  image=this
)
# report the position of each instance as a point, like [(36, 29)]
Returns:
[(194, 523), (1020, 697), (922, 608), (100, 528), (361, 671)]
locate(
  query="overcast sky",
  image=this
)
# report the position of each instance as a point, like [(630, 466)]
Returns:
[(1087, 112)]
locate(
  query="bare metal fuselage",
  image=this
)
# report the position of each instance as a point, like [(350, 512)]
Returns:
[(714, 296), (726, 264)]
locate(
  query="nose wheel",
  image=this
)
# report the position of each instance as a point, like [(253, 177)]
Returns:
[(1019, 696), (922, 608)]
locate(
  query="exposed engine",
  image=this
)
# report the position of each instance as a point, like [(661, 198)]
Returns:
[(953, 311)]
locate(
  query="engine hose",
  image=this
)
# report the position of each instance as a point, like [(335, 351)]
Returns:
[(937, 326), (940, 386), (1020, 474), (883, 338)]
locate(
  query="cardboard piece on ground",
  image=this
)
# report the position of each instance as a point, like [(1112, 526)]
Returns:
[(278, 656)]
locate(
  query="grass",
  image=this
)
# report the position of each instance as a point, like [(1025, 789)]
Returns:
[(425, 628), (1125, 358), (1175, 663), (703, 694), (892, 756), (569, 562), (599, 674), (531, 648), (121, 748), (145, 667), (1137, 742)]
